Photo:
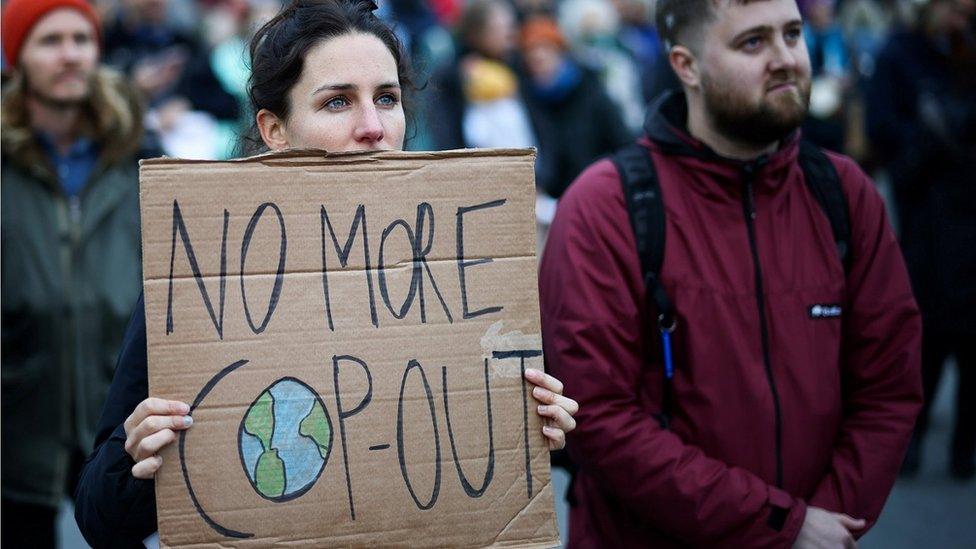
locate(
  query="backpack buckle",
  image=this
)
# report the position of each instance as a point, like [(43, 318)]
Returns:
[(666, 322)]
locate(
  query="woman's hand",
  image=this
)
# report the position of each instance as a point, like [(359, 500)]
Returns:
[(151, 427), (557, 410)]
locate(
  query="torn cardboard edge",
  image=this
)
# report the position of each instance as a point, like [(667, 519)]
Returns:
[(324, 155)]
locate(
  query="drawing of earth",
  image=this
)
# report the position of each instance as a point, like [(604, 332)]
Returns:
[(285, 439)]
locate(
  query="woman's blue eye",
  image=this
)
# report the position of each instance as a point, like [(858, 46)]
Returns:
[(336, 103), (387, 100)]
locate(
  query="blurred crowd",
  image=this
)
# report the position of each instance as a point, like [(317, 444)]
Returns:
[(521, 73), (894, 87), (514, 73)]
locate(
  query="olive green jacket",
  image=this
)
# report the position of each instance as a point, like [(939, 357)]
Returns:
[(71, 273)]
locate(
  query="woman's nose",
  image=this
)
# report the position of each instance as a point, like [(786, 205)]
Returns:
[(369, 129)]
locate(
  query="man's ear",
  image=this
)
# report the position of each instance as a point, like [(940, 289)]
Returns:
[(685, 65), (272, 130)]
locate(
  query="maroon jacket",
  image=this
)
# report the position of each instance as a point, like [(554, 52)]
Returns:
[(762, 389)]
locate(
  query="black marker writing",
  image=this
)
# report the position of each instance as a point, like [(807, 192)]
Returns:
[(437, 441), (522, 355), (346, 414), (424, 212), (470, 490), (180, 227), (279, 275), (462, 264), (381, 266), (343, 254)]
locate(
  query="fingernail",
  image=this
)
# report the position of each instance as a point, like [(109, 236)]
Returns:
[(540, 393), (548, 429), (542, 409), (532, 373), (187, 421), (184, 408)]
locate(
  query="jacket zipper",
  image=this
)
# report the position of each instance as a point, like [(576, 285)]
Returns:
[(70, 225), (749, 209)]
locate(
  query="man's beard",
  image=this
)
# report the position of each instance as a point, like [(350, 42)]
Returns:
[(60, 103), (759, 125)]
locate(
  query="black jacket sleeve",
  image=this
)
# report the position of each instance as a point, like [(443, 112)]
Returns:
[(113, 508)]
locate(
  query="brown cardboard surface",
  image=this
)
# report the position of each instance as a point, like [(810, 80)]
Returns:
[(345, 392)]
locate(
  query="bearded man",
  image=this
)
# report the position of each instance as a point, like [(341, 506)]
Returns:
[(758, 388), (71, 134)]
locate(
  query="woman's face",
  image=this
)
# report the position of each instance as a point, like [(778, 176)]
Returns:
[(347, 99)]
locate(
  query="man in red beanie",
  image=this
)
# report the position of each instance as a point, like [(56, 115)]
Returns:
[(71, 134), (20, 16)]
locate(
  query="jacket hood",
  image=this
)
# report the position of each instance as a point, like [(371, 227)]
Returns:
[(666, 130)]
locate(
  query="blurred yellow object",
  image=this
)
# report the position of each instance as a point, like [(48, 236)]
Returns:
[(487, 80)]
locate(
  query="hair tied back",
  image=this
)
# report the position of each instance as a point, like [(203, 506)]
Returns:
[(368, 5)]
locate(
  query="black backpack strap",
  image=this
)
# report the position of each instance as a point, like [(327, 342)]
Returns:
[(822, 179), (642, 192)]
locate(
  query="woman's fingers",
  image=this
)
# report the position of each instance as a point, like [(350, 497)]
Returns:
[(150, 426), (152, 444), (544, 380), (556, 408), (560, 417), (146, 468), (548, 397), (153, 406), (556, 437)]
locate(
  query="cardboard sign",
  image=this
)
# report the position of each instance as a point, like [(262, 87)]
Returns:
[(351, 331)]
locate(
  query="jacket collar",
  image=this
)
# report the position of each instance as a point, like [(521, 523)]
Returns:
[(666, 128)]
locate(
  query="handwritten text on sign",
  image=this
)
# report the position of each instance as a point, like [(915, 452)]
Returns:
[(383, 306)]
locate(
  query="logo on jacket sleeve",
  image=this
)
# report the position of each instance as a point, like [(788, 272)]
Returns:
[(825, 310)]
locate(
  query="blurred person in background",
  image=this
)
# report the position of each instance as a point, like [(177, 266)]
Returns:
[(227, 26), (829, 63), (71, 135), (528, 9), (173, 70), (575, 120), (140, 41), (639, 38), (477, 100), (921, 111), (866, 25), (591, 29)]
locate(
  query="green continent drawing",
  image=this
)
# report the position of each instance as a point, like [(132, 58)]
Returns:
[(285, 439), (270, 474), (259, 420), (316, 427)]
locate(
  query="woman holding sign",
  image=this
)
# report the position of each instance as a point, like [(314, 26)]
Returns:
[(325, 74)]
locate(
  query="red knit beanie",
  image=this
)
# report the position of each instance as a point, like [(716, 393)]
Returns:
[(542, 30), (20, 16)]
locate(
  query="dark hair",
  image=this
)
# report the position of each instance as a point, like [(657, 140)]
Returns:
[(278, 52), (681, 21)]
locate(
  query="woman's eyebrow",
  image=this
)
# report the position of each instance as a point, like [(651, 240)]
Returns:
[(334, 87), (353, 87)]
